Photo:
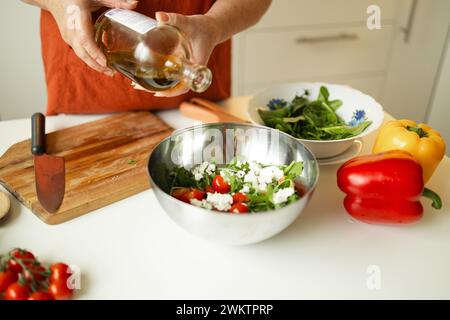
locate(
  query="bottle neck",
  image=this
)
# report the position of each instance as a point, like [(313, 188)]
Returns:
[(196, 77)]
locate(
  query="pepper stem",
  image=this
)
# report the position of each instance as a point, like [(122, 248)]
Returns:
[(433, 196), (420, 132)]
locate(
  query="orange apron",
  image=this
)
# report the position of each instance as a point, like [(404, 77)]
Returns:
[(73, 87)]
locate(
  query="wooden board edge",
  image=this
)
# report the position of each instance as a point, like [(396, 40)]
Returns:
[(59, 218)]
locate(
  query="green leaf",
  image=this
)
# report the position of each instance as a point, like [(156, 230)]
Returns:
[(182, 178), (324, 94), (345, 131), (293, 119), (335, 104), (294, 170)]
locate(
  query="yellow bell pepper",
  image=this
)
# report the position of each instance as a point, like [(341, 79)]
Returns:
[(425, 144)]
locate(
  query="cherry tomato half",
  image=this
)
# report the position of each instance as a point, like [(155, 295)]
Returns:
[(59, 290), (220, 185), (187, 194), (59, 271), (25, 256), (17, 291), (240, 197), (40, 295), (239, 208), (197, 194), (7, 277)]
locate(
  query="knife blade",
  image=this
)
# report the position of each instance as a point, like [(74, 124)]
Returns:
[(49, 171)]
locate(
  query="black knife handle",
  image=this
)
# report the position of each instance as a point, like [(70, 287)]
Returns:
[(37, 134)]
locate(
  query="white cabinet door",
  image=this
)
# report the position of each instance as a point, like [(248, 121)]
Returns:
[(415, 61), (275, 57)]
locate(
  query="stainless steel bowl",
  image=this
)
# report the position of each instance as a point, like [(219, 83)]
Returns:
[(222, 142)]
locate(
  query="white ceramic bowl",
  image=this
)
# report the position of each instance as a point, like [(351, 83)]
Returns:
[(352, 100)]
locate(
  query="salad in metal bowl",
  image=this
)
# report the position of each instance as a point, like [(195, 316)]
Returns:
[(238, 187)]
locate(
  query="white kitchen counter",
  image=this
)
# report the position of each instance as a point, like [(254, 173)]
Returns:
[(131, 249)]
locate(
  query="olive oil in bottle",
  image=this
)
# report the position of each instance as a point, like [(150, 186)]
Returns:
[(157, 57)]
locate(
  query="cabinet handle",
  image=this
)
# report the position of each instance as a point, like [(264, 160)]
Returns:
[(330, 38), (412, 14)]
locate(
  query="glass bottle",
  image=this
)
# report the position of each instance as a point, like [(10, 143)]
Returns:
[(155, 56)]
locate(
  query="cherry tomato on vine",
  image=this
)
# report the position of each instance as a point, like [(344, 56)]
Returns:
[(41, 295), (7, 277), (220, 185), (240, 197), (35, 272), (17, 291), (239, 208), (59, 290), (59, 271), (24, 256)]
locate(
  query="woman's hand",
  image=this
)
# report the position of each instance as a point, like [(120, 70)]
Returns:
[(76, 27), (201, 31)]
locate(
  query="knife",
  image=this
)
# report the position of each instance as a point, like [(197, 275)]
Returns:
[(49, 171)]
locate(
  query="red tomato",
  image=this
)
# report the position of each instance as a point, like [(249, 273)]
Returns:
[(186, 194), (239, 208), (197, 194), (181, 194), (220, 185), (17, 291), (40, 295), (36, 272), (25, 256), (7, 277), (240, 197), (210, 189), (59, 290), (59, 271)]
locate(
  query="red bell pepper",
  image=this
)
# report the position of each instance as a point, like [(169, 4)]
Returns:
[(384, 188)]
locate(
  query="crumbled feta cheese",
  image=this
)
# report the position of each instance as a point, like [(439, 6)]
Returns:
[(259, 177), (202, 204), (245, 189), (211, 168), (262, 186), (251, 177), (240, 174), (282, 195), (221, 202), (254, 166), (200, 170), (269, 174)]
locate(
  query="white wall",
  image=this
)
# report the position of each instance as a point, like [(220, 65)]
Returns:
[(439, 117), (22, 85)]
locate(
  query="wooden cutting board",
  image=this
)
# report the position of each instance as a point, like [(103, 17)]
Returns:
[(106, 161)]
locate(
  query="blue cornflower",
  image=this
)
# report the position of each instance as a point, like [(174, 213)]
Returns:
[(275, 104), (359, 116)]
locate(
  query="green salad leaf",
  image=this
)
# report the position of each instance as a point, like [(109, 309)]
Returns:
[(312, 120)]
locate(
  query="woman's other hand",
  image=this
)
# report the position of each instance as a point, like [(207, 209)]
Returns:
[(75, 24)]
